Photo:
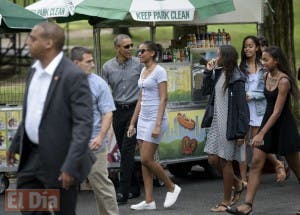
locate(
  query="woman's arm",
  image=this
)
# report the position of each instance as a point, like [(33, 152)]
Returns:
[(131, 129), (283, 91), (161, 109)]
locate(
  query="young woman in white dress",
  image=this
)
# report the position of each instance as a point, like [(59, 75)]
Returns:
[(151, 118)]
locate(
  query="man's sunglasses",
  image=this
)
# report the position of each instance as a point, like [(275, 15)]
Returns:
[(128, 46), (142, 51)]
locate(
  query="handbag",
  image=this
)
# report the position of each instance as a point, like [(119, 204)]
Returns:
[(208, 116)]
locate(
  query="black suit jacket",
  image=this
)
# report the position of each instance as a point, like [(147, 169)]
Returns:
[(65, 127)]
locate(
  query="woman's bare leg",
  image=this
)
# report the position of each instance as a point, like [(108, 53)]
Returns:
[(258, 161), (294, 163), (151, 167), (228, 177), (147, 177)]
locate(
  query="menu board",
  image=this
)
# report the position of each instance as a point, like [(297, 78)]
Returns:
[(10, 118)]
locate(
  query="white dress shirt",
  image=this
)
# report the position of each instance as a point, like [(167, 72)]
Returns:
[(37, 93)]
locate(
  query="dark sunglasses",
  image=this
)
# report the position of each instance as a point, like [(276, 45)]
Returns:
[(142, 51), (128, 46)]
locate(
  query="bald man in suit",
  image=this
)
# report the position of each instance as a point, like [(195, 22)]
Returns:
[(56, 126)]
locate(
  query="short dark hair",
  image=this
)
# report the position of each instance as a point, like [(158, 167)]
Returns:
[(119, 38), (54, 32), (77, 53)]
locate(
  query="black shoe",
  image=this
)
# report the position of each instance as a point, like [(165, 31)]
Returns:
[(121, 199), (133, 195)]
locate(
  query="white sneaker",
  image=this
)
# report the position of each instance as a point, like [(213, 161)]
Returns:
[(171, 197), (144, 206)]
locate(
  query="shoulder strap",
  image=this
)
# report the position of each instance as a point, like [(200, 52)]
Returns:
[(266, 77), (282, 78)]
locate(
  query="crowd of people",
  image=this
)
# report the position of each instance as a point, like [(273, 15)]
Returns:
[(250, 116)]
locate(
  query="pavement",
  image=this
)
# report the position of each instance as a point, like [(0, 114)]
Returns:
[(199, 194)]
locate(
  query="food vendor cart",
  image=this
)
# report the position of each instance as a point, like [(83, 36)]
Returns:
[(9, 121)]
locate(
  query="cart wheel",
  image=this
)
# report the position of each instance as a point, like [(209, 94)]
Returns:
[(4, 183), (180, 169)]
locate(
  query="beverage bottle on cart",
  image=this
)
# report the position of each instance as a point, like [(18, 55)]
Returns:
[(194, 41), (215, 39), (198, 40), (207, 42), (228, 39), (186, 54), (219, 36), (224, 37), (170, 55), (165, 56), (202, 40)]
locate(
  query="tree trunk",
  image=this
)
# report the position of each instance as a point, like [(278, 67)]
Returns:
[(278, 28)]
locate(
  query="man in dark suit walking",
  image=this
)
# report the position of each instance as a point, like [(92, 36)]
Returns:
[(56, 126)]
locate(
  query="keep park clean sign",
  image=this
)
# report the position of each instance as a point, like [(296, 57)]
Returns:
[(52, 12), (165, 15), (161, 10)]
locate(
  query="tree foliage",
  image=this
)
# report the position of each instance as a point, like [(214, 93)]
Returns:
[(278, 27)]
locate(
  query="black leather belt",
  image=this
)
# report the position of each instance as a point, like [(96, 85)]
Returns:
[(125, 106)]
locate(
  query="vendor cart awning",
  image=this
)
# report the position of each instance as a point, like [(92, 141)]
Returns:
[(138, 10), (179, 10), (14, 17), (54, 8)]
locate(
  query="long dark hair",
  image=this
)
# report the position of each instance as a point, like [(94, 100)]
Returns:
[(284, 67), (152, 46), (243, 64), (228, 59)]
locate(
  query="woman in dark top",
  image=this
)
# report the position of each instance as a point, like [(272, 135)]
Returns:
[(278, 133), (225, 139)]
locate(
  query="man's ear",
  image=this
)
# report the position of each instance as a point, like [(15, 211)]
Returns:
[(49, 43)]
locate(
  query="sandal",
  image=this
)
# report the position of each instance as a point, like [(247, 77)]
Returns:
[(237, 212), (280, 172), (287, 172), (245, 183), (237, 194), (221, 207)]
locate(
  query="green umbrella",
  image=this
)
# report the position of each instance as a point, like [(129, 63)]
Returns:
[(124, 9), (16, 18), (114, 9)]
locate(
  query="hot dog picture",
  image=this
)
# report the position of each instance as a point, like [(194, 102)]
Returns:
[(185, 122)]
